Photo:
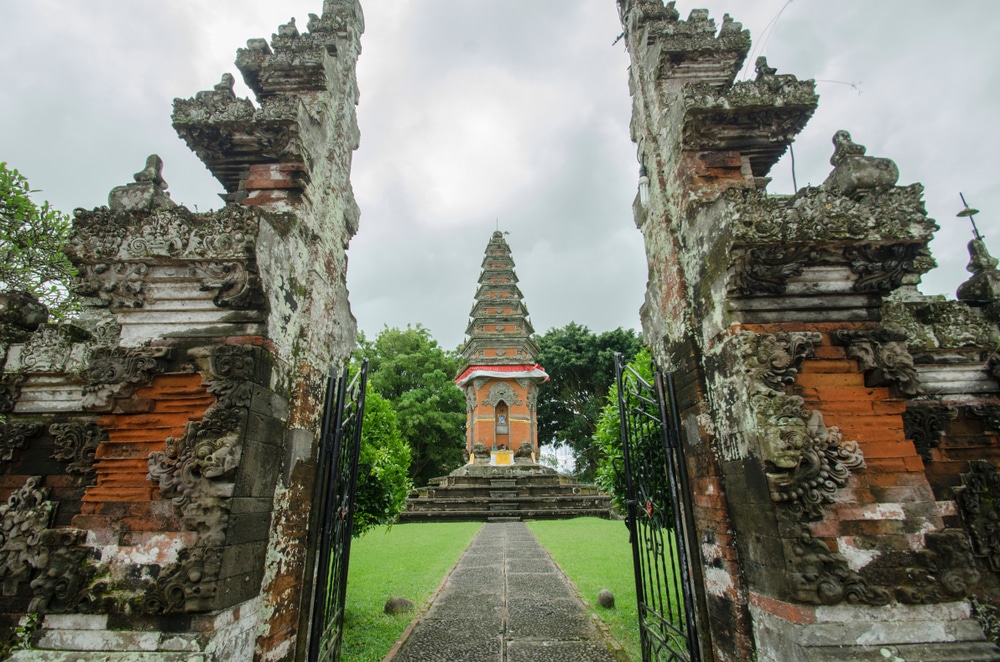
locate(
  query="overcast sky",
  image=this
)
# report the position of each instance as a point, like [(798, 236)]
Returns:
[(517, 110)]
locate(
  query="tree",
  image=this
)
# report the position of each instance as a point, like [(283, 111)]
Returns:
[(410, 370), (608, 436), (31, 246), (383, 468), (581, 366)]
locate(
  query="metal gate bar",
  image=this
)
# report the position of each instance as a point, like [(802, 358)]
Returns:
[(336, 482), (657, 516)]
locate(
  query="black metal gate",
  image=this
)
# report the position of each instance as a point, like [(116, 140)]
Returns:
[(657, 515), (336, 480)]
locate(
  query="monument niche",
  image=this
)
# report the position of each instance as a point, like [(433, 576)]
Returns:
[(502, 479)]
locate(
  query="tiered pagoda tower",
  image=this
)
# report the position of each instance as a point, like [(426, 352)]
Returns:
[(502, 377)]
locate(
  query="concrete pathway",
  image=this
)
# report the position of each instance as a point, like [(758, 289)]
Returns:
[(505, 601)]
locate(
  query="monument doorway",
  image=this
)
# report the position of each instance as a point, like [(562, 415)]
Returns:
[(501, 427)]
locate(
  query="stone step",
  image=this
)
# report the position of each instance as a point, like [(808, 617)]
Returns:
[(103, 656)]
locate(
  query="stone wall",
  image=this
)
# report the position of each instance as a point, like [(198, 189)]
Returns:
[(838, 425), (157, 456)]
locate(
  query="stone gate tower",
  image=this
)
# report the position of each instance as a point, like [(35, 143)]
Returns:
[(501, 380)]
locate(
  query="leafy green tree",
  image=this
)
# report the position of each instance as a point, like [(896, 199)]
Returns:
[(31, 242), (410, 370), (581, 365), (608, 436), (383, 471)]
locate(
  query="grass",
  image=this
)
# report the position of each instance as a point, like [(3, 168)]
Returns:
[(408, 560), (596, 554)]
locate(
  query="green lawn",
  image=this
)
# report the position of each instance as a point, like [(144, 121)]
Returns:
[(408, 560), (596, 554)]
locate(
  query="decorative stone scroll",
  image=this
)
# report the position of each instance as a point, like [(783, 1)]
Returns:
[(820, 576), (774, 360), (925, 424), (118, 372), (980, 508), (881, 268), (945, 570), (15, 436), (502, 391), (23, 520), (185, 585), (119, 285), (988, 413), (76, 442), (10, 391), (883, 355), (237, 284), (766, 270)]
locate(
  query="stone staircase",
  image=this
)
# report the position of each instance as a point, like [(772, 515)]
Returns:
[(478, 492)]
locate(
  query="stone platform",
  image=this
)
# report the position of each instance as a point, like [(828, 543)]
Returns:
[(483, 492), (505, 601)]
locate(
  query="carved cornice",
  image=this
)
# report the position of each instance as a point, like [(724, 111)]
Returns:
[(881, 268), (15, 436), (766, 270), (980, 509), (819, 576), (502, 391), (944, 572), (925, 424), (883, 355), (117, 372), (816, 215), (76, 442)]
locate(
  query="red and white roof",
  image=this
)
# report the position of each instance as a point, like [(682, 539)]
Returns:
[(534, 372)]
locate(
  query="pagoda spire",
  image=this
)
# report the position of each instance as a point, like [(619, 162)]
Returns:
[(499, 331)]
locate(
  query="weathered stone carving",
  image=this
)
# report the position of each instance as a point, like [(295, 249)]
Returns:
[(524, 450), (776, 359), (532, 397), (23, 520), (117, 372), (989, 413), (819, 576), (119, 285), (10, 391), (149, 191), (883, 355), (977, 501), (69, 580), (14, 436), (20, 311), (233, 370), (76, 442), (855, 174), (470, 398), (946, 570), (815, 214), (218, 105), (925, 424), (881, 268), (50, 349), (192, 471), (983, 288), (238, 284), (186, 585), (502, 391), (766, 270)]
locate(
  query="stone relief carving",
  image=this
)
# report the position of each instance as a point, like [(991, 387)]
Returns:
[(148, 191), (120, 285), (855, 174), (10, 391), (977, 502), (819, 576), (815, 214), (881, 268), (76, 442), (766, 270), (185, 585), (532, 397), (775, 360), (502, 391), (924, 425), (50, 349), (117, 372), (989, 413), (470, 398), (945, 570), (237, 284), (217, 105), (15, 436), (23, 520), (884, 356)]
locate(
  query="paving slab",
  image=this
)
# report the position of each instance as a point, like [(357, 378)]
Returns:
[(505, 601)]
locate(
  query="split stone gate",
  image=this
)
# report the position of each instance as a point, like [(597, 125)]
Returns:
[(157, 461)]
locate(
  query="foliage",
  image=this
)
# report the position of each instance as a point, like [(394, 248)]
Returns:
[(596, 554), (19, 637), (409, 560), (383, 472), (410, 370), (581, 367), (608, 436), (31, 242)]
